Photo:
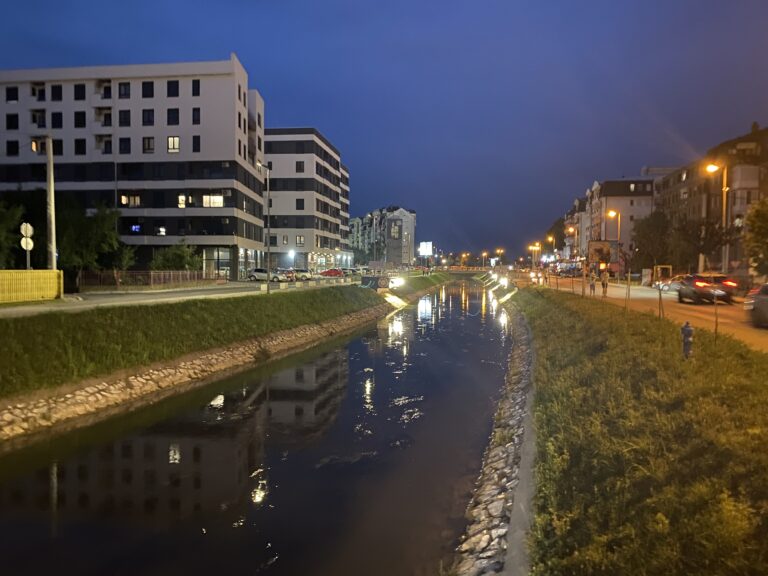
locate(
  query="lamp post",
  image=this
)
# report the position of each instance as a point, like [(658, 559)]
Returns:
[(269, 206), (499, 253), (484, 254), (712, 168), (575, 232), (51, 199), (616, 214)]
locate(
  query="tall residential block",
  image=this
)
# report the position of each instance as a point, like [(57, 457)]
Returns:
[(174, 147)]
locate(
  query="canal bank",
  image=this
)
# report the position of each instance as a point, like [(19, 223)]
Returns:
[(27, 418)]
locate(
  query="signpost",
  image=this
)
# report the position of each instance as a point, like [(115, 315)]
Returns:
[(26, 240)]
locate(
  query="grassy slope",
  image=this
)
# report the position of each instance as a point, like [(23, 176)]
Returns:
[(415, 284), (51, 349), (647, 464)]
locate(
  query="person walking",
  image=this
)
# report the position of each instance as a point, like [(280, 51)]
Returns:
[(604, 282), (592, 281)]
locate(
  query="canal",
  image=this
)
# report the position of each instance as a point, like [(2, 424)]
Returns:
[(357, 457)]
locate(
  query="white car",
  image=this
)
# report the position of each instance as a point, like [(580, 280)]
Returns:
[(261, 275), (303, 274)]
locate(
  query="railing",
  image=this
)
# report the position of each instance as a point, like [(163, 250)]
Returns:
[(145, 279), (30, 285)]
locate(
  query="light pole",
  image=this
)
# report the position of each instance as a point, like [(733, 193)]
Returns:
[(712, 168), (269, 235), (484, 254), (575, 233), (51, 199), (500, 253)]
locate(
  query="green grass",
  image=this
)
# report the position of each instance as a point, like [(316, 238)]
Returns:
[(647, 464), (415, 284), (51, 349)]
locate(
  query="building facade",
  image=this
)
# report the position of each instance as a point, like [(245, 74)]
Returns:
[(386, 235), (174, 147), (309, 189)]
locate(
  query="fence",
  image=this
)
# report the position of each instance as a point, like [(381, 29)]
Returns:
[(144, 279), (30, 285)]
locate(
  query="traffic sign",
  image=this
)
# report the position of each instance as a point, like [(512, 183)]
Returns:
[(26, 230), (27, 244)]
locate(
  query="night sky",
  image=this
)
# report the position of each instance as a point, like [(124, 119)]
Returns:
[(488, 117)]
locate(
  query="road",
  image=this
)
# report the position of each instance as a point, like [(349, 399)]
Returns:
[(731, 319), (88, 301)]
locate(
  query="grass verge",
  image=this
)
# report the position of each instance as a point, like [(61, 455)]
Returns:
[(51, 349), (647, 464), (415, 284)]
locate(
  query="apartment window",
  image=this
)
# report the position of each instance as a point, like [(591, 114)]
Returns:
[(38, 118), (124, 118), (259, 142), (148, 145), (195, 115), (213, 201), (11, 121), (56, 93), (196, 143), (132, 201), (124, 145), (632, 187), (12, 148), (80, 119), (182, 201), (11, 93), (38, 92), (106, 92), (299, 240), (172, 89), (173, 144), (631, 202), (58, 147), (299, 203), (285, 239), (173, 117), (147, 89), (79, 146), (299, 166), (57, 119), (239, 93), (647, 187), (79, 91), (273, 240), (239, 148), (195, 87), (239, 120), (124, 90), (106, 147), (258, 119), (148, 117), (107, 120)]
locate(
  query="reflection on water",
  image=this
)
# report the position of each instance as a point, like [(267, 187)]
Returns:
[(321, 468)]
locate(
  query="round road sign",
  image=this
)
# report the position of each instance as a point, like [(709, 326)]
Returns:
[(26, 230), (27, 244)]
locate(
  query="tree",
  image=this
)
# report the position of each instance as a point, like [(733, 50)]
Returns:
[(10, 218), (557, 231), (123, 258), (694, 239), (83, 239), (651, 238), (756, 236), (177, 257)]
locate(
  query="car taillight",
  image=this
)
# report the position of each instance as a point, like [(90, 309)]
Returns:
[(730, 283), (700, 284)]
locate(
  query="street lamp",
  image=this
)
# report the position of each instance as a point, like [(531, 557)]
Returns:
[(484, 254), (617, 215), (292, 256), (712, 168), (575, 232), (269, 205), (499, 253)]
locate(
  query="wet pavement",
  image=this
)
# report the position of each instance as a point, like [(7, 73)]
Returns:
[(355, 458)]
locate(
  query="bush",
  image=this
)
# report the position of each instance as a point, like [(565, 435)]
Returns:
[(56, 348), (647, 463)]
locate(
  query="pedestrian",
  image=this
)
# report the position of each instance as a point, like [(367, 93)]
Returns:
[(592, 281), (687, 333), (604, 282)]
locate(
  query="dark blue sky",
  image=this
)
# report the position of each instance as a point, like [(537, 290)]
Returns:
[(487, 117)]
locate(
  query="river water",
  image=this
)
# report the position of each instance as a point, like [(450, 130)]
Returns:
[(355, 458)]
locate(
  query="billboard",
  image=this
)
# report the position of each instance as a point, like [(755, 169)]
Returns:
[(425, 249)]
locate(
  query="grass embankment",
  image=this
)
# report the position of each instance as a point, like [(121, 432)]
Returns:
[(647, 464), (415, 284), (51, 349)]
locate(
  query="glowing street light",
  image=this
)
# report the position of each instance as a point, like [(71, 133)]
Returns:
[(712, 168)]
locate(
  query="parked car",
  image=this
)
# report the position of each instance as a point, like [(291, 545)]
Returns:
[(289, 273), (332, 273), (303, 274), (756, 303), (261, 275), (706, 287), (670, 284), (349, 271)]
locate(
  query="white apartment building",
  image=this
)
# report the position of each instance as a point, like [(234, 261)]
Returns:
[(386, 235), (174, 147), (309, 190)]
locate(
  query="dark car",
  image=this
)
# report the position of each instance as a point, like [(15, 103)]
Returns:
[(706, 287), (756, 303)]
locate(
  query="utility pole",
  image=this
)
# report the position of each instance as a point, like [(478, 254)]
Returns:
[(51, 211)]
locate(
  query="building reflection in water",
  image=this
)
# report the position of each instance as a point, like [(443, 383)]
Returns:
[(206, 463)]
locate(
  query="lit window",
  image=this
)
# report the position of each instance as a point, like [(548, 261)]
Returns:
[(285, 238), (174, 454), (173, 144), (632, 187), (299, 240), (182, 201), (213, 200), (132, 201)]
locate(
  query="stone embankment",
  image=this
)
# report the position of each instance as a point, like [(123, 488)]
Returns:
[(483, 548), (22, 421)]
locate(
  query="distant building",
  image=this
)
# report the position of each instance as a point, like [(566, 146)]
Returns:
[(386, 235), (629, 198), (309, 188), (173, 147), (577, 227)]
